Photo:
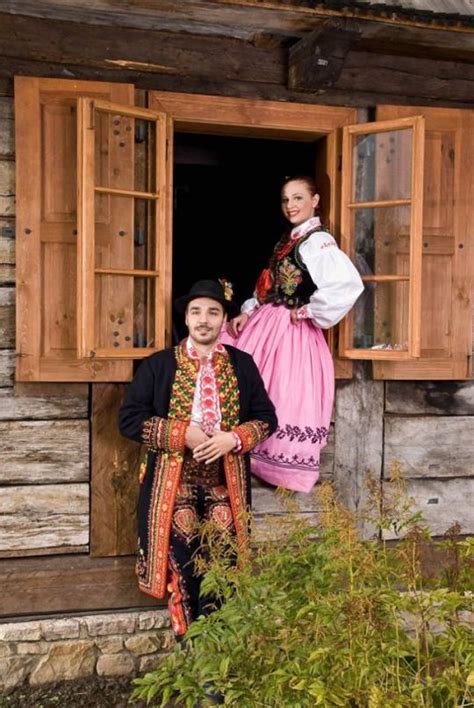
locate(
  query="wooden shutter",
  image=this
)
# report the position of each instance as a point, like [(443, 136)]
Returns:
[(447, 244), (123, 288), (45, 118), (381, 230)]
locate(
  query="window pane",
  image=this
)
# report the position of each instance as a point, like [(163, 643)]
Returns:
[(382, 240), (125, 152), (382, 166), (380, 317), (125, 233), (124, 311)]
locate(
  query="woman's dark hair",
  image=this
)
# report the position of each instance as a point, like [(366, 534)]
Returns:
[(307, 179)]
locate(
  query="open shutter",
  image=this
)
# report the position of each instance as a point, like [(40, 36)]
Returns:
[(45, 118), (123, 289), (381, 215), (447, 245)]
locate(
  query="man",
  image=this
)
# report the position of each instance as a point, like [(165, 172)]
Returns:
[(199, 408)]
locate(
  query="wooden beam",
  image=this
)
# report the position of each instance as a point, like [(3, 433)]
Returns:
[(152, 52), (236, 18), (317, 60), (33, 586)]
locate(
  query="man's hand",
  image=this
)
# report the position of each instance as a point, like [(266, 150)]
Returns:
[(216, 446), (195, 436), (237, 325)]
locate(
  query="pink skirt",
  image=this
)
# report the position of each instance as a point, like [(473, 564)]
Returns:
[(297, 368)]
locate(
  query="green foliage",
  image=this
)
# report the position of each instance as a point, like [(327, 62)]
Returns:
[(330, 621)]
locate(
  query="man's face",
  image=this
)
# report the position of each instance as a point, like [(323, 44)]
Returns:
[(204, 320)]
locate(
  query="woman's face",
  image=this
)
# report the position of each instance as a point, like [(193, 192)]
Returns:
[(297, 202)]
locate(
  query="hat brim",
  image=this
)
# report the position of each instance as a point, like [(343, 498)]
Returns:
[(230, 308)]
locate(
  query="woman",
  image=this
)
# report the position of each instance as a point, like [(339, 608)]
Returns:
[(309, 284)]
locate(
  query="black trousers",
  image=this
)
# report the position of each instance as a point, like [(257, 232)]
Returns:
[(194, 503)]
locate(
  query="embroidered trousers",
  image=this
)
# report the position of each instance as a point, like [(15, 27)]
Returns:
[(194, 503)]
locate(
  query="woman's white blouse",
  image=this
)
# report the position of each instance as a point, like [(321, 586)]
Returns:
[(337, 280)]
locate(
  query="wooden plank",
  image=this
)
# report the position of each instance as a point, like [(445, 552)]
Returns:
[(42, 517), (44, 452), (7, 318), (114, 477), (430, 446), (41, 407), (442, 503), (32, 586), (243, 18), (359, 437), (7, 367), (403, 77), (153, 51), (7, 188), (7, 136), (430, 397)]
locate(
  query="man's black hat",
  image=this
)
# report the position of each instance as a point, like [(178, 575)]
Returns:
[(220, 291)]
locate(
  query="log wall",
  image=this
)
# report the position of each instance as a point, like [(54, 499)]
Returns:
[(45, 430)]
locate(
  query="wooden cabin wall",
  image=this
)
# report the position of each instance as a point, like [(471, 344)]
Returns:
[(45, 431)]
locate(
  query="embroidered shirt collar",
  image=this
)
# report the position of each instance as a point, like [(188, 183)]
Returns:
[(194, 354), (302, 229)]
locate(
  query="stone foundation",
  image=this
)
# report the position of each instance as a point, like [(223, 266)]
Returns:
[(113, 644)]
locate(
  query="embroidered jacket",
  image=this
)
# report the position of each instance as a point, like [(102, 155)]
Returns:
[(156, 411)]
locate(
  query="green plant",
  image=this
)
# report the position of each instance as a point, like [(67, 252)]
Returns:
[(329, 621)]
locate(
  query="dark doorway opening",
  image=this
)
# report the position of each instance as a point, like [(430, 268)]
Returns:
[(226, 215)]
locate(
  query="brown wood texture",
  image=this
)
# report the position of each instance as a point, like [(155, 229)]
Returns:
[(41, 517), (33, 586), (447, 243), (114, 477), (317, 60), (47, 406), (47, 231), (44, 452), (250, 18)]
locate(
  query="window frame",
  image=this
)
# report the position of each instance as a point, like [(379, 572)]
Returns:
[(415, 201), (87, 189)]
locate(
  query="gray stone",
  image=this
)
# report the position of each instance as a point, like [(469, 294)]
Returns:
[(115, 665), (123, 623), (65, 661), (155, 619), (20, 631), (150, 662), (13, 671), (23, 648), (144, 643), (60, 629), (6, 649), (110, 645)]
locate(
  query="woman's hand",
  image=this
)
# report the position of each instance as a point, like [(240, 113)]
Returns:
[(218, 445), (195, 436), (236, 326), (294, 316)]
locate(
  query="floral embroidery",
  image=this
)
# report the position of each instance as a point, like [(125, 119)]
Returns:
[(294, 432), (288, 276), (295, 462), (251, 433)]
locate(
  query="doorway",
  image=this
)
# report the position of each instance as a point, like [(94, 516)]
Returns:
[(226, 208)]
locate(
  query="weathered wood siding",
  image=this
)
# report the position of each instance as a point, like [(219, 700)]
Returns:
[(44, 433)]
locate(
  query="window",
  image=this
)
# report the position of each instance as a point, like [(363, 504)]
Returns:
[(381, 230)]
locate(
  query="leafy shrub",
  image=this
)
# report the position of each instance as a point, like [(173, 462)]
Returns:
[(330, 621)]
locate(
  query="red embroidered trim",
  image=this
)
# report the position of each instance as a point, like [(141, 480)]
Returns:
[(162, 434), (251, 433)]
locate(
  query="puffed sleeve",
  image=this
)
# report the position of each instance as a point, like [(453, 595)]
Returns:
[(337, 280), (250, 305)]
